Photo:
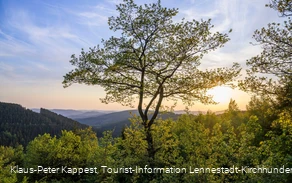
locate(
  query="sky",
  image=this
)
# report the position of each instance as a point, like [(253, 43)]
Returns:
[(38, 37)]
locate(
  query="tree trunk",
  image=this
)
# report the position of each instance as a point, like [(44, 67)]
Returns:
[(150, 148)]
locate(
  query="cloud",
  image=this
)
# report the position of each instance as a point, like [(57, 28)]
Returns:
[(37, 49), (37, 39), (48, 42), (116, 2), (11, 46), (105, 8), (91, 15), (42, 67), (92, 19), (33, 50), (243, 17), (194, 13), (5, 67)]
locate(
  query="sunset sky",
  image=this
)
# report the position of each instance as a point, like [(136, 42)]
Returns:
[(37, 38)]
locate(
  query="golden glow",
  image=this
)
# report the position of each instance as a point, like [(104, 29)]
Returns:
[(221, 94)]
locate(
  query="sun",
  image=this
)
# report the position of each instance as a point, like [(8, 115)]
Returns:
[(221, 94)]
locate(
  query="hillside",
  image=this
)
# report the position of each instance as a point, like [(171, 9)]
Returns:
[(19, 125)]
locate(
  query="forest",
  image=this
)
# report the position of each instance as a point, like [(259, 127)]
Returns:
[(154, 60), (258, 137), (18, 125)]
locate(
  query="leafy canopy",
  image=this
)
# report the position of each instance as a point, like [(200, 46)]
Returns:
[(284, 7), (270, 72), (154, 58)]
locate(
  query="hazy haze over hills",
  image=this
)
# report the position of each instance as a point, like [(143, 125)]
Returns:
[(75, 114), (107, 120), (80, 114)]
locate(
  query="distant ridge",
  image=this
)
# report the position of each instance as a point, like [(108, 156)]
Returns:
[(103, 120), (116, 121), (73, 114)]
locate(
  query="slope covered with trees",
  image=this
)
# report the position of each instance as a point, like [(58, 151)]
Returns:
[(19, 125), (257, 138)]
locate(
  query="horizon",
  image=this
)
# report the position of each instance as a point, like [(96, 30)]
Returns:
[(38, 38), (117, 110), (89, 110)]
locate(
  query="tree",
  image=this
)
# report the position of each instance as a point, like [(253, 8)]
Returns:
[(154, 59), (233, 114), (277, 149), (270, 72), (72, 149), (10, 157), (284, 7)]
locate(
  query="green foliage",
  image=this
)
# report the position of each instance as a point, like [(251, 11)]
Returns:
[(282, 6), (234, 115), (278, 149), (270, 72), (154, 58), (7, 159), (255, 138), (10, 157), (79, 149)]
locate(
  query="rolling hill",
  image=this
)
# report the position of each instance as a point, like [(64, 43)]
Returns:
[(115, 121)]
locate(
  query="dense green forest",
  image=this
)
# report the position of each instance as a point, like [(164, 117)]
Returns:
[(18, 125), (258, 137)]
